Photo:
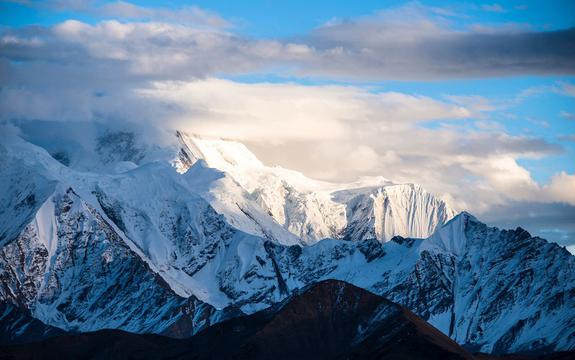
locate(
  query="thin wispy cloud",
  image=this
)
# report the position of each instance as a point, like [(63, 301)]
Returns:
[(124, 10), (496, 8), (567, 115)]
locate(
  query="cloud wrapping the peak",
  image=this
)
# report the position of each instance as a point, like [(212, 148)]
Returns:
[(284, 112), (338, 132)]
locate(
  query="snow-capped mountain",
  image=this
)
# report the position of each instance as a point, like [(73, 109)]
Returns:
[(373, 208), (491, 290), (140, 247), (71, 269)]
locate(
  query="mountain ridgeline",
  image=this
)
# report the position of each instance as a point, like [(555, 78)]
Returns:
[(200, 238), (327, 320)]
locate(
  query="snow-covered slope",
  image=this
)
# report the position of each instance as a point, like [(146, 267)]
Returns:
[(72, 270), (278, 204), (230, 199), (310, 209), (94, 253), (489, 289)]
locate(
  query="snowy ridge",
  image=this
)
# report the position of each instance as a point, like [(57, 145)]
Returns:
[(90, 279), (313, 210)]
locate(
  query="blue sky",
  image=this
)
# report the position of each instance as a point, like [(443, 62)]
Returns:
[(265, 18), (500, 74)]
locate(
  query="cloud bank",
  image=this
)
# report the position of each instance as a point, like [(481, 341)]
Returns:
[(411, 42)]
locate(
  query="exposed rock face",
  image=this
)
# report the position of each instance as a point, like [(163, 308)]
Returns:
[(72, 270), (491, 290)]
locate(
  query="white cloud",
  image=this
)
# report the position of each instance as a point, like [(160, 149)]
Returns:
[(284, 112), (333, 132), (190, 15), (342, 132), (567, 115), (561, 188), (496, 8), (159, 49), (409, 42)]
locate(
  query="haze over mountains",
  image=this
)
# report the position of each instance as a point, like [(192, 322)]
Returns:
[(170, 238)]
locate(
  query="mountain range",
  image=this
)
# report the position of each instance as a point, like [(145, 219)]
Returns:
[(105, 229)]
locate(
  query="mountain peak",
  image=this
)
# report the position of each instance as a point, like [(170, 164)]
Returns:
[(217, 152), (451, 237)]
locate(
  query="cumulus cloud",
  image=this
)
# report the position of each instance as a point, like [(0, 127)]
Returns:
[(332, 132), (561, 188), (341, 132), (410, 42), (259, 112), (135, 50)]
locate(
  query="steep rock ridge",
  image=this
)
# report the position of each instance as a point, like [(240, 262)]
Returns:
[(525, 278), (383, 212), (173, 230), (314, 210), (72, 270), (491, 290), (278, 204)]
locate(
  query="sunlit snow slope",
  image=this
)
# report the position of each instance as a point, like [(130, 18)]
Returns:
[(373, 208)]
